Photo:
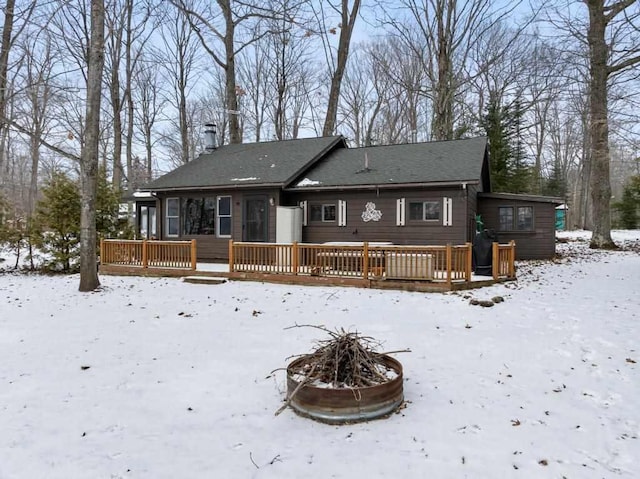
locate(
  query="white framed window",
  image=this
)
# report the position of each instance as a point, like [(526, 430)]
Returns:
[(172, 216), (424, 211), (223, 217), (322, 212)]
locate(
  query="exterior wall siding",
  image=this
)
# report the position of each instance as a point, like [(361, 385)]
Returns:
[(414, 232), (537, 244)]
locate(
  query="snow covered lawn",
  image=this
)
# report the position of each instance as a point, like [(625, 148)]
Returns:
[(156, 378)]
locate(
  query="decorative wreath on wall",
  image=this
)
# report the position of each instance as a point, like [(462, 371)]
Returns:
[(370, 213)]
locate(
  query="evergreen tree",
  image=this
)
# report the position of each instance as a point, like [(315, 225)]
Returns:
[(57, 222), (556, 184), (510, 171), (630, 204), (107, 205)]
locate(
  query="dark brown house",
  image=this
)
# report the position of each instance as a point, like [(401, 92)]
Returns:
[(421, 193)]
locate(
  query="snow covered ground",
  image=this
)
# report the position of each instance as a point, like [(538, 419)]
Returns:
[(156, 378)]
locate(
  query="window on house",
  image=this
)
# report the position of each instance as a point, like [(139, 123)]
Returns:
[(521, 221), (173, 216), (224, 216), (198, 216), (505, 218), (424, 211), (325, 212), (525, 218)]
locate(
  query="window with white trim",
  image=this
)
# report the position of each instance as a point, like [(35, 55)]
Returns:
[(322, 212), (425, 211), (172, 216), (223, 217)]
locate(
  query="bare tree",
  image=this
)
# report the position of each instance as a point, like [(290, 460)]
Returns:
[(179, 59), (217, 25), (146, 95), (89, 158), (19, 19), (324, 12), (4, 71), (613, 50), (39, 92), (443, 33)]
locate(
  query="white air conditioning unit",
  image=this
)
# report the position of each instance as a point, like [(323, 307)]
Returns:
[(408, 265)]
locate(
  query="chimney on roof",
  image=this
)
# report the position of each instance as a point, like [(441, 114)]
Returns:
[(210, 136)]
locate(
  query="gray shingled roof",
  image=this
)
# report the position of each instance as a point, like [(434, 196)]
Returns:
[(251, 164), (433, 162)]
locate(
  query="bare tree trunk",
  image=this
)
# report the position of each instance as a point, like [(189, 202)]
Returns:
[(348, 21), (89, 158), (599, 130), (4, 69), (443, 107), (235, 134)]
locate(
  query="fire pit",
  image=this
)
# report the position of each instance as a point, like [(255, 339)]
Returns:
[(344, 380)]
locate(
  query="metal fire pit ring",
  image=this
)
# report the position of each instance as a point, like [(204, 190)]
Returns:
[(346, 405)]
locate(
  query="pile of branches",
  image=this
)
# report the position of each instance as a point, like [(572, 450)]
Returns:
[(345, 360)]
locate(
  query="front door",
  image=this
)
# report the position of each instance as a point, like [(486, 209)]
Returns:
[(256, 219)]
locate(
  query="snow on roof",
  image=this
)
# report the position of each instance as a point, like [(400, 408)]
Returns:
[(308, 182)]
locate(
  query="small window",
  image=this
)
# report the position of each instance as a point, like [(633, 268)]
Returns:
[(224, 216), (522, 221), (424, 211), (505, 218), (525, 218), (173, 216), (326, 213)]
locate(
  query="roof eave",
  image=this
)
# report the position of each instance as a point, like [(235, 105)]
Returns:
[(232, 186), (522, 197), (373, 186)]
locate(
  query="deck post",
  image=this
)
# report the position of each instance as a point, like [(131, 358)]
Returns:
[(231, 259), (495, 260), (512, 259), (294, 257), (448, 256), (469, 262), (145, 254), (102, 252), (365, 260), (193, 255)]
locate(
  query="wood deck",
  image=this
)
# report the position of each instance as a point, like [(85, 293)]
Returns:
[(411, 268)]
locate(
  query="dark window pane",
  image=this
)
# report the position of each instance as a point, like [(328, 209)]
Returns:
[(416, 211), (505, 217), (315, 213), (525, 218), (172, 207), (328, 212), (224, 205), (432, 210), (225, 226), (172, 226)]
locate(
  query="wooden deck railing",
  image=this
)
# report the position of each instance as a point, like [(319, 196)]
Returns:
[(149, 254), (432, 263), (504, 256)]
